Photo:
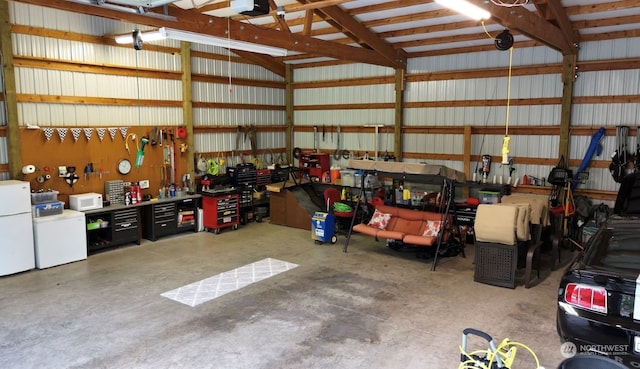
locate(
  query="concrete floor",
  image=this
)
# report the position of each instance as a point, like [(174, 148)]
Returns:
[(369, 308)]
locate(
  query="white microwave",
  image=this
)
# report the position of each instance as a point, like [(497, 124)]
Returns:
[(85, 201)]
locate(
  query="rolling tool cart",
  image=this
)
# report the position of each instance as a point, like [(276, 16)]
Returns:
[(221, 209)]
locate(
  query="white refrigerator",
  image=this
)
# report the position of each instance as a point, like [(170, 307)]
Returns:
[(16, 227)]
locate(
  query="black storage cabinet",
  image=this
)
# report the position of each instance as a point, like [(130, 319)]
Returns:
[(122, 227), (160, 219)]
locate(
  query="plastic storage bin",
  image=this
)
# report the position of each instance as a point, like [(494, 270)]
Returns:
[(489, 197), (348, 177), (46, 209), (44, 197)]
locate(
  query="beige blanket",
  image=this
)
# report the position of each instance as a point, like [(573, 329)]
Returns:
[(408, 168)]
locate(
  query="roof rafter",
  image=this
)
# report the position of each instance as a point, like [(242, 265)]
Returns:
[(398, 58), (529, 24), (559, 15), (209, 25)]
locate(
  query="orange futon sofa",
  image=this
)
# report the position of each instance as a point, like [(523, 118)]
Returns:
[(409, 226)]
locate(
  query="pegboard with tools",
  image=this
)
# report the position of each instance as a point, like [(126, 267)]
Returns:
[(79, 160)]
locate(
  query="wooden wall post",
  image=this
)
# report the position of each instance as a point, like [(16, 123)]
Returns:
[(466, 158), (289, 112), (13, 131), (568, 78), (187, 103), (399, 117)]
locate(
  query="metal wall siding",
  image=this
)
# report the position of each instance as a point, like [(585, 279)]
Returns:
[(4, 156), (608, 83), (53, 82), (32, 15), (482, 116), (346, 71), (226, 142), (237, 70), (79, 115), (43, 47), (345, 95), (212, 92), (612, 49), (233, 117), (358, 117), (3, 115), (481, 60)]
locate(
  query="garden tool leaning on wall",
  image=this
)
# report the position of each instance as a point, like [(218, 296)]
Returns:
[(248, 132)]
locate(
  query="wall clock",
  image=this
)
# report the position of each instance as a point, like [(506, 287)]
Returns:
[(124, 166)]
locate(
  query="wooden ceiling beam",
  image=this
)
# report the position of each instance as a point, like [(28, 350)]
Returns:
[(529, 24), (279, 19), (310, 6), (191, 21), (307, 28), (603, 7), (555, 10), (207, 7), (397, 57)]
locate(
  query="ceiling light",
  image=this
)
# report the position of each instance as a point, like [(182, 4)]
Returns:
[(174, 34), (466, 8), (143, 3), (146, 37), (199, 38)]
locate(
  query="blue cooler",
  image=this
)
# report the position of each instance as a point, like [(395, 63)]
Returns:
[(323, 227)]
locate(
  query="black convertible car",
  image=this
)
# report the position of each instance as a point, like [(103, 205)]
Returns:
[(597, 309)]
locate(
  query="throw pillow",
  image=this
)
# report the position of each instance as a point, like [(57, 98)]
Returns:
[(379, 219), (433, 227)]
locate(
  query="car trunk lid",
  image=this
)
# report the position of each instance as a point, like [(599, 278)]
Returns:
[(615, 265)]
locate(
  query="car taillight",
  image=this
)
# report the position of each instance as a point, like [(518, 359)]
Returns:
[(587, 297)]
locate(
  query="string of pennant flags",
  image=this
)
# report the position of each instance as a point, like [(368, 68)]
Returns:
[(76, 133)]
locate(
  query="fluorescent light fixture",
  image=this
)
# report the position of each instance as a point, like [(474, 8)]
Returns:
[(199, 38), (143, 3), (146, 37), (466, 8), (140, 9), (107, 6), (175, 34)]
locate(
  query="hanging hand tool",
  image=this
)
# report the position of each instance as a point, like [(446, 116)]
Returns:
[(154, 136), (252, 134), (126, 141), (87, 171), (315, 138), (323, 133), (337, 154), (140, 154), (172, 149), (71, 177)]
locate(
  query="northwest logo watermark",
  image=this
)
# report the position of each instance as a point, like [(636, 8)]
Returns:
[(570, 349)]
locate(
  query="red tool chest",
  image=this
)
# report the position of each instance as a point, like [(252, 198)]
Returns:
[(220, 210)]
